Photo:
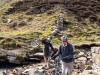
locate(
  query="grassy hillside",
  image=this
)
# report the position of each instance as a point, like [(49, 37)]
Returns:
[(42, 24)]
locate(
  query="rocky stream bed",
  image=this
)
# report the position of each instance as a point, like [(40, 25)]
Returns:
[(86, 63)]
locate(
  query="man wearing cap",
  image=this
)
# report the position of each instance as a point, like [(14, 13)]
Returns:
[(66, 53)]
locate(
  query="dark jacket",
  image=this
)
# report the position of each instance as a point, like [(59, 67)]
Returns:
[(46, 48), (66, 53)]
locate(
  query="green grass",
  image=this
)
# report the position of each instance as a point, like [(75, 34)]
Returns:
[(78, 32), (5, 6)]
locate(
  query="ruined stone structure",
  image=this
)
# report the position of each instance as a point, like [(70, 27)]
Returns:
[(96, 59)]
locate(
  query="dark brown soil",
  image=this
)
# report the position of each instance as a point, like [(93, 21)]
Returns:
[(85, 8)]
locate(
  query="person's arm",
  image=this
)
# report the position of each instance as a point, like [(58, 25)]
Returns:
[(72, 50), (43, 41), (57, 54), (52, 47)]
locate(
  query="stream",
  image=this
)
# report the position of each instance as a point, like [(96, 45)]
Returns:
[(5, 65)]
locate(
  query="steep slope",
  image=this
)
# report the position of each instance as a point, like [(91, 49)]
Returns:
[(29, 16)]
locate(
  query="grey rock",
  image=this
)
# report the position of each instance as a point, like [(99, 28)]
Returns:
[(90, 39), (81, 54), (82, 59), (95, 50), (55, 32), (60, 22), (39, 72), (9, 21), (50, 12), (42, 10), (33, 10)]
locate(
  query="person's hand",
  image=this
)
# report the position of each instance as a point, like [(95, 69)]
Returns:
[(53, 58)]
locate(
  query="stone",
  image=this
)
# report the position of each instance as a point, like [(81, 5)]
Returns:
[(39, 55), (26, 71), (22, 23), (81, 54), (82, 59), (53, 23), (42, 10), (87, 72), (60, 22), (13, 24), (33, 10), (30, 19), (95, 50), (50, 12), (10, 11), (55, 32), (96, 59), (17, 71), (90, 39), (4, 19), (89, 67), (43, 28), (10, 20), (39, 72)]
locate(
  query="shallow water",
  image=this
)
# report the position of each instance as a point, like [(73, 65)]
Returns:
[(1, 70), (4, 66)]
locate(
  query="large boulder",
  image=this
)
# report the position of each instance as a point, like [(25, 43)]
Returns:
[(95, 50), (82, 59), (55, 32)]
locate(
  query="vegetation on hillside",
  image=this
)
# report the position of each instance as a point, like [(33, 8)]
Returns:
[(43, 24)]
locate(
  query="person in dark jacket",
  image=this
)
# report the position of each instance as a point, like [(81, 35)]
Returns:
[(47, 45), (66, 53)]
